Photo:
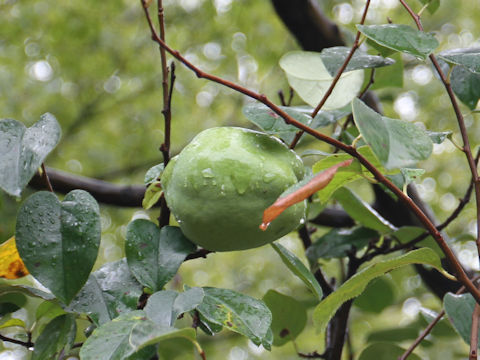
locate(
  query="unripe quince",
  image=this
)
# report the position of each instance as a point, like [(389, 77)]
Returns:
[(220, 184)]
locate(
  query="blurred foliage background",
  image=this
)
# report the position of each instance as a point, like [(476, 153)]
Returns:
[(93, 65)]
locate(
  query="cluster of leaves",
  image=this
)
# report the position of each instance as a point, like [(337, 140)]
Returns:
[(125, 302)]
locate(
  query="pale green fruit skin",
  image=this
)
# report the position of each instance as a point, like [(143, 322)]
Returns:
[(220, 184)]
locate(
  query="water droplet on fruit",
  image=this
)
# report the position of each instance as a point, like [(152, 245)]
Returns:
[(208, 173)]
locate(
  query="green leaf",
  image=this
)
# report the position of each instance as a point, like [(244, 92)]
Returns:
[(466, 85), (298, 269), (126, 335), (152, 195), (378, 295), (153, 174), (433, 5), (11, 302), (289, 317), (109, 291), (390, 76), (237, 312), (384, 351), (5, 322), (443, 328), (309, 77), (396, 143), (58, 334), (362, 212), (155, 255), (48, 309), (401, 38), (334, 57), (407, 233), (59, 241), (337, 242), (27, 290), (164, 307), (357, 283), (468, 58), (459, 309), (24, 150)]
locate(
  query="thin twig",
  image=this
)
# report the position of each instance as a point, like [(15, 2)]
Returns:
[(474, 333), (46, 179), (371, 81), (455, 264), (27, 344), (340, 71), (202, 253)]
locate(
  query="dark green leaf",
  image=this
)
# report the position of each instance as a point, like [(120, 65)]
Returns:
[(390, 76), (58, 334), (127, 334), (397, 334), (384, 351), (165, 306), (23, 150), (237, 312), (11, 302), (361, 211), (48, 309), (377, 296), (59, 241), (468, 58), (309, 77), (155, 255), (27, 290), (289, 317), (109, 291), (459, 309), (401, 38), (396, 143), (153, 174), (357, 283), (299, 269), (407, 233), (466, 85), (337, 242), (334, 57)]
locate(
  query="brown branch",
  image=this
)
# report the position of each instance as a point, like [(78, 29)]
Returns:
[(474, 333), (456, 266), (46, 179), (27, 344)]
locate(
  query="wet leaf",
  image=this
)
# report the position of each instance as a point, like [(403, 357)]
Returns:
[(109, 292), (300, 192), (396, 143), (11, 265), (289, 316), (237, 312), (459, 309), (58, 334), (308, 76), (164, 307), (299, 269), (337, 242), (357, 283), (27, 290), (362, 212), (155, 255), (59, 241), (24, 149), (334, 57), (466, 85), (127, 335), (152, 195), (153, 174), (11, 302), (401, 38), (468, 58)]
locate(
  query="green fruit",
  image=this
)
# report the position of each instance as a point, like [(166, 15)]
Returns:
[(220, 184)]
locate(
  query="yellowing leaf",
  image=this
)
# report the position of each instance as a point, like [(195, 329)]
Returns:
[(11, 265), (311, 187)]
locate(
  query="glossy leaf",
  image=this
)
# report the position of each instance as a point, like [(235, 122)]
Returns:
[(11, 302), (384, 351), (27, 290), (24, 149), (237, 312), (468, 58), (126, 335), (378, 295), (109, 292), (299, 269), (439, 137), (334, 57), (155, 255), (289, 316), (58, 334), (459, 309), (362, 212), (396, 143), (11, 265), (153, 174), (309, 77), (357, 283), (466, 85), (401, 38), (152, 195), (337, 242), (59, 241), (299, 192), (164, 307)]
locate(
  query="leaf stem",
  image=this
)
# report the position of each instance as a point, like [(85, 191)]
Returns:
[(46, 178)]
